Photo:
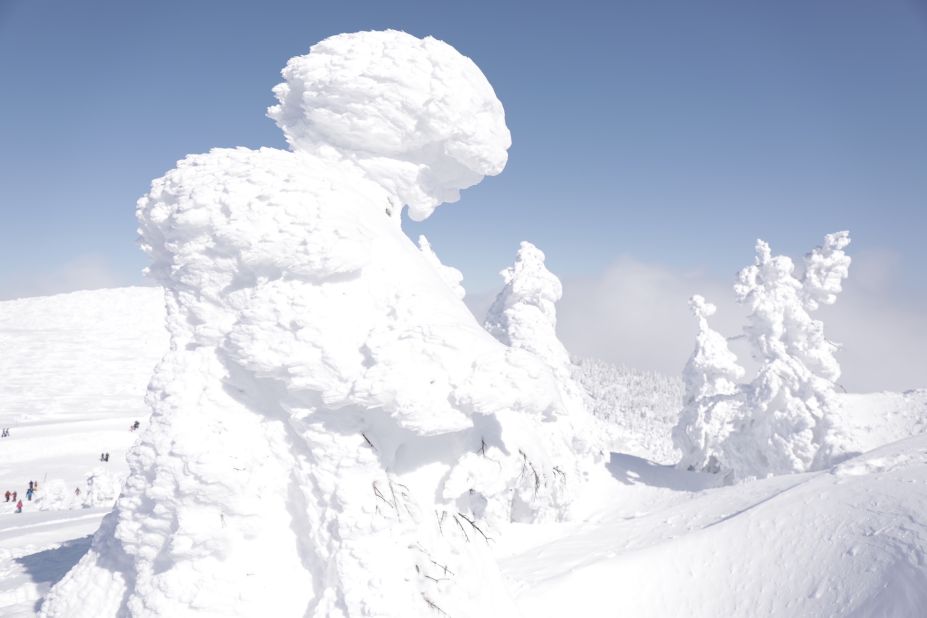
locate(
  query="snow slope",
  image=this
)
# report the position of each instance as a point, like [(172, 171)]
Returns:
[(646, 539), (851, 541), (75, 370), (47, 344)]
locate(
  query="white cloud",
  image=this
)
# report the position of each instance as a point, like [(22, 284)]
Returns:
[(636, 313)]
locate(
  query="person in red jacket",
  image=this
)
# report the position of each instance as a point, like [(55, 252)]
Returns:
[(19, 506)]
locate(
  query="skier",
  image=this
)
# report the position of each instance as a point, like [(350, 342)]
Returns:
[(30, 485), (29, 494), (7, 494), (19, 506), (106, 459), (14, 496)]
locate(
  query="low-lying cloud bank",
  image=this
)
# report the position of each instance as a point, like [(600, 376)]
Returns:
[(636, 313)]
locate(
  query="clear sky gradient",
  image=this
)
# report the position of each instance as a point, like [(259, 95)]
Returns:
[(675, 132)]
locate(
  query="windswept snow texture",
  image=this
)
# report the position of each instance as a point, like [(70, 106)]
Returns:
[(332, 432)]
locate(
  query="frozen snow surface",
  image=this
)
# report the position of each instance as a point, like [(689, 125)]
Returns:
[(645, 539)]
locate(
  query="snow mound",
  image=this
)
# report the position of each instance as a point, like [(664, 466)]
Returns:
[(850, 541)]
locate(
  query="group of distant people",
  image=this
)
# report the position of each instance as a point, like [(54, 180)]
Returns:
[(13, 496)]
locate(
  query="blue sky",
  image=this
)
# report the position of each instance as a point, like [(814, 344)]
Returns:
[(674, 132)]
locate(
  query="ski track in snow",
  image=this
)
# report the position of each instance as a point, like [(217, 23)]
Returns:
[(646, 539)]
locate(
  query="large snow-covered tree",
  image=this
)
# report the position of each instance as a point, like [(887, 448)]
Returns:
[(781, 421), (333, 434), (524, 317), (524, 314), (787, 424)]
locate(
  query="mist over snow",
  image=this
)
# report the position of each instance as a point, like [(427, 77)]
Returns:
[(636, 313), (308, 420)]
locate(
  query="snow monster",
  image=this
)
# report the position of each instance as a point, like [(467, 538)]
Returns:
[(332, 433)]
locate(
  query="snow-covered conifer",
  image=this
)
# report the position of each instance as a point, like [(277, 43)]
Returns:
[(524, 317), (524, 314), (786, 426), (711, 397)]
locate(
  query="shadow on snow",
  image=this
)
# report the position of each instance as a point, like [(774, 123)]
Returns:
[(632, 470), (50, 565)]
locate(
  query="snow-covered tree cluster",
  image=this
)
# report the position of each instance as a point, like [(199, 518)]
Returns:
[(332, 432), (636, 409), (782, 420)]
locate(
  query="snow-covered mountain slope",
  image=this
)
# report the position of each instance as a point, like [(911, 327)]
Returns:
[(75, 368), (851, 541), (646, 539), (53, 351), (873, 419)]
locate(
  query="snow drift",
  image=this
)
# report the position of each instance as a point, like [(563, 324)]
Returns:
[(332, 432)]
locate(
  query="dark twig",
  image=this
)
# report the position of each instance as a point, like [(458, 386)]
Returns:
[(434, 606), (475, 527)]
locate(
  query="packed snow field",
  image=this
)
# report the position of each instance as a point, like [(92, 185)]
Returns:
[(645, 540), (306, 420)]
